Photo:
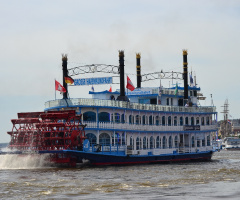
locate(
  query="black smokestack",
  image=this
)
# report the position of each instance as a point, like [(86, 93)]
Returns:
[(138, 68), (65, 74), (122, 96), (185, 75)]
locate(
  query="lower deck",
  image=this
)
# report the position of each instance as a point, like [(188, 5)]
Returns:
[(135, 143)]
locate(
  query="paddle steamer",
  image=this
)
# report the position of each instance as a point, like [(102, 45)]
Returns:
[(146, 125)]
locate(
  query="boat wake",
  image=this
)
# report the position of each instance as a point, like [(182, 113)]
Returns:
[(28, 161)]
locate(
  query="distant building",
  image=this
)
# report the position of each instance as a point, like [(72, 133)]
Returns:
[(224, 129), (229, 128), (235, 127)]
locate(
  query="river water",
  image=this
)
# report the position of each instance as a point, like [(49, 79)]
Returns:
[(27, 178)]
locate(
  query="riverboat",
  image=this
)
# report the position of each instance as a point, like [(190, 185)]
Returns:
[(142, 125)]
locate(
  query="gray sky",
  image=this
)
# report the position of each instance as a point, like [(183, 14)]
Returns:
[(34, 34)]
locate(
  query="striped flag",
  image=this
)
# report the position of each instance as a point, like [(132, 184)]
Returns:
[(129, 85)]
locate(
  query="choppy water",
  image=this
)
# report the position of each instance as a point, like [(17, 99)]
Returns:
[(23, 178)]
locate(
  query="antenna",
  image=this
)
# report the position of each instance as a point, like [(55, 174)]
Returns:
[(212, 104)]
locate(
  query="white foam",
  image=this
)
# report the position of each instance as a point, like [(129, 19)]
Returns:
[(23, 161)]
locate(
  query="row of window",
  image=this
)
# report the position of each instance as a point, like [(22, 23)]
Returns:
[(144, 142), (150, 120), (149, 143)]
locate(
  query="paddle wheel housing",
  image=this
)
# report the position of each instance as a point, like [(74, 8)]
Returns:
[(47, 131)]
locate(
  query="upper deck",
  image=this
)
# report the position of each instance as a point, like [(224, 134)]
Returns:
[(87, 102)]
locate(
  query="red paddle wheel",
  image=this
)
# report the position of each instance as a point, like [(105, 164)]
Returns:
[(50, 131)]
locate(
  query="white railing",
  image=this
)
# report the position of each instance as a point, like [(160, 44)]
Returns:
[(140, 127), (123, 104)]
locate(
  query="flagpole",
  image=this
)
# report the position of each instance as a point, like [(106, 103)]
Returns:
[(127, 88), (55, 88)]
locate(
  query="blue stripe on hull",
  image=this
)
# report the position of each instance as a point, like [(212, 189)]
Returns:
[(103, 159)]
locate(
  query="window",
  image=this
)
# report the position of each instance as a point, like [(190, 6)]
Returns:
[(143, 120), (194, 93), (169, 121), (175, 121), (137, 143), (181, 121), (157, 120), (130, 119), (202, 121), (89, 116), (207, 121), (167, 101), (203, 142), (123, 138), (150, 120), (198, 143), (164, 142), (152, 142), (163, 120), (137, 119), (208, 140), (123, 118), (186, 120), (131, 141), (192, 121), (193, 141), (104, 139), (197, 121), (144, 143), (176, 141), (117, 140), (104, 117), (170, 142), (92, 138), (117, 117), (157, 142)]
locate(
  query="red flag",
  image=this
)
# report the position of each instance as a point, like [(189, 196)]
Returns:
[(129, 84), (59, 87), (110, 90)]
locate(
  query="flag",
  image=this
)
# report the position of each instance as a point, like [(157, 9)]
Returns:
[(229, 121), (110, 90), (176, 90), (129, 84), (191, 79), (92, 88), (59, 87), (68, 80)]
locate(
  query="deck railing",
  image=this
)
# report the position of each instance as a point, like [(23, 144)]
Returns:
[(140, 127), (122, 104)]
